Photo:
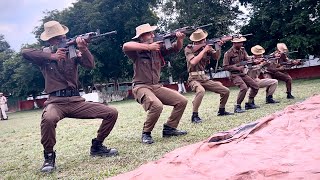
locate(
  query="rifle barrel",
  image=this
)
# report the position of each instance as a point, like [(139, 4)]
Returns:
[(247, 34), (108, 33), (206, 25)]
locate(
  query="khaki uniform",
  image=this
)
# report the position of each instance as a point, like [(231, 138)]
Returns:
[(231, 58), (272, 72), (199, 82), (147, 90), (269, 84), (61, 83)]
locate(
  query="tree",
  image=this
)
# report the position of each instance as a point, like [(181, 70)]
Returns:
[(180, 13), (293, 22), (106, 15), (21, 78)]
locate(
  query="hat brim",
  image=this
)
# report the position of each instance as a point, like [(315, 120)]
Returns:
[(282, 47), (152, 28), (45, 37), (192, 38), (253, 51), (242, 39)]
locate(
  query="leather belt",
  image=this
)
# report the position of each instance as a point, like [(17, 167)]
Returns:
[(134, 84), (65, 93), (197, 73)]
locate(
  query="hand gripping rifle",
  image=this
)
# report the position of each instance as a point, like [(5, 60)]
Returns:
[(167, 38), (71, 43), (214, 42)]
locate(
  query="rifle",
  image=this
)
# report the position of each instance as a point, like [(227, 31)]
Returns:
[(167, 38), (214, 41), (247, 66), (71, 43), (293, 62)]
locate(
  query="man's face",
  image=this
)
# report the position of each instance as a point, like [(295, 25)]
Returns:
[(201, 42), (1, 95), (56, 40), (258, 56), (147, 37), (238, 45)]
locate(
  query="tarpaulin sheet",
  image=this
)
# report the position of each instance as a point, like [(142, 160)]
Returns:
[(283, 145)]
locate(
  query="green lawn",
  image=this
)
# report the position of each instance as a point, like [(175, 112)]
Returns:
[(21, 151)]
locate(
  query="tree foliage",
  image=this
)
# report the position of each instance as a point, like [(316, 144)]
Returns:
[(180, 13), (294, 22), (106, 15), (18, 77)]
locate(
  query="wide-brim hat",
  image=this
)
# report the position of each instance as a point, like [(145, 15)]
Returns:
[(198, 35), (144, 28), (53, 29), (238, 40), (282, 47), (257, 50)]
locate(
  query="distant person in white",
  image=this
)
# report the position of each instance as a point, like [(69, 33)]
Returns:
[(3, 106)]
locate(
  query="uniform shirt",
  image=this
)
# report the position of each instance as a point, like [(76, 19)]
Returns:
[(201, 65), (272, 67), (234, 57), (61, 74), (147, 64)]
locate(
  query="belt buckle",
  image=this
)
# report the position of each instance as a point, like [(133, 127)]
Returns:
[(68, 93)]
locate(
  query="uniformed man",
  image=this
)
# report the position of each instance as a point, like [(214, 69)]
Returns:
[(234, 61), (198, 56), (258, 69), (276, 70), (147, 57), (61, 83)]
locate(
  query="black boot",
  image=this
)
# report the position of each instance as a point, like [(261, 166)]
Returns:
[(147, 138), (270, 100), (289, 95), (97, 149), (195, 118), (223, 112), (237, 109), (49, 162), (169, 131), (251, 105)]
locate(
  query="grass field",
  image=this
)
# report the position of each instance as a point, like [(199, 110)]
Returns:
[(21, 152)]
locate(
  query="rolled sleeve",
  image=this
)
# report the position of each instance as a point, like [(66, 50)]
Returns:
[(131, 54), (189, 54), (86, 60)]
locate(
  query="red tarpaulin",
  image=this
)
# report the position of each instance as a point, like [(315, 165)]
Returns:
[(283, 145)]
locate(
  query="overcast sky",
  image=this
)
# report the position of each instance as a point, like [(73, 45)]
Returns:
[(19, 17)]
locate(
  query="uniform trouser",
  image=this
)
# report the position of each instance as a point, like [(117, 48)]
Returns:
[(153, 97), (282, 76), (3, 111), (57, 108), (214, 86), (269, 84), (244, 82)]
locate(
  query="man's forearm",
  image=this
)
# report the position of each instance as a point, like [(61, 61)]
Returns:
[(135, 46), (36, 56), (179, 43), (86, 59)]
